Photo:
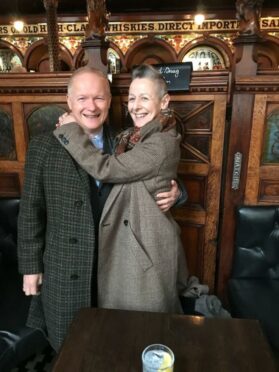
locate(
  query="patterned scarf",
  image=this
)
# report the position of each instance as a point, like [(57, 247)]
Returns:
[(127, 139)]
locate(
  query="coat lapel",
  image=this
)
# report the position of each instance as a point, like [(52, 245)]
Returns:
[(81, 173), (110, 200), (84, 178), (108, 144)]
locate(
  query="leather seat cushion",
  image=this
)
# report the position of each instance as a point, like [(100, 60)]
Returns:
[(17, 342), (17, 346), (258, 299)]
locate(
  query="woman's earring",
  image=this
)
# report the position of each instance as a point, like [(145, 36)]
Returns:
[(126, 109), (166, 112)]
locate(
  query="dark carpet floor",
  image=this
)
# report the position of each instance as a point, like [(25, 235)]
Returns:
[(39, 363), (44, 362)]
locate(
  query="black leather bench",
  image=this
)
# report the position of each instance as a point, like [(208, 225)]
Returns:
[(254, 285), (17, 342)]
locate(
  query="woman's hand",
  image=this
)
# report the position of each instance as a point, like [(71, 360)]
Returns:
[(66, 118)]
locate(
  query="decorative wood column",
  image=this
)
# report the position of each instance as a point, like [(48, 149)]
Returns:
[(95, 45), (96, 53), (53, 39), (245, 66)]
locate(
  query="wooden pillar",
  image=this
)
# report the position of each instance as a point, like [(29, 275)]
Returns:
[(245, 65), (96, 53), (53, 40), (95, 45)]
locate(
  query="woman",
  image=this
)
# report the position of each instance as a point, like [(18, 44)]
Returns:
[(141, 262)]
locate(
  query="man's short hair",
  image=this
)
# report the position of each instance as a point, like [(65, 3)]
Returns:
[(86, 70)]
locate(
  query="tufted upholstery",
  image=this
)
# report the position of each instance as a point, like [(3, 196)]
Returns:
[(254, 285), (17, 342)]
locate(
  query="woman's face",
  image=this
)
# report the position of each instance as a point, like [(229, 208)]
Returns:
[(144, 103)]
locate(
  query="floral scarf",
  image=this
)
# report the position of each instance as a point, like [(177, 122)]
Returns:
[(127, 139)]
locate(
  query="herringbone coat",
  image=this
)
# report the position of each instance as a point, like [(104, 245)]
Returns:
[(141, 260), (56, 236)]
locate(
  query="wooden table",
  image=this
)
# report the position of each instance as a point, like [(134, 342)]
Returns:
[(102, 340)]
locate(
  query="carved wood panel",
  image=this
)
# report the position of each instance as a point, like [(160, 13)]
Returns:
[(202, 122), (20, 109), (256, 181)]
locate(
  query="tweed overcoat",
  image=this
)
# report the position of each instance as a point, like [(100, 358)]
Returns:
[(56, 236), (141, 260)]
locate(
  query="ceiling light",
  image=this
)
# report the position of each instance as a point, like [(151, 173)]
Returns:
[(18, 25), (198, 19)]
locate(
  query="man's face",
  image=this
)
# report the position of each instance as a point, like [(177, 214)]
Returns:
[(89, 101)]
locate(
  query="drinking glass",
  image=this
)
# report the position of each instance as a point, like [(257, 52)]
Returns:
[(157, 358)]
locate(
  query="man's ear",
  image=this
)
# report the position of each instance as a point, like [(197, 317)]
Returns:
[(69, 103), (165, 101)]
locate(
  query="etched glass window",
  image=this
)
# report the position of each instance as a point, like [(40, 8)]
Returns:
[(44, 119), (9, 60), (7, 142), (113, 61), (271, 139), (204, 58)]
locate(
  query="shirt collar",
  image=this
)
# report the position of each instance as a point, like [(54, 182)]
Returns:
[(97, 136)]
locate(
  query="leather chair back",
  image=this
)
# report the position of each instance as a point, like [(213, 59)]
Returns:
[(257, 243), (253, 288), (8, 230), (17, 342)]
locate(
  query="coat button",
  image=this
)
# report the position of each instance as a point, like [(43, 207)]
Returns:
[(126, 222), (105, 224), (74, 277), (78, 203), (60, 135), (73, 240)]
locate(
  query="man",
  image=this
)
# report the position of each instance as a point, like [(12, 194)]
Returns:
[(59, 215)]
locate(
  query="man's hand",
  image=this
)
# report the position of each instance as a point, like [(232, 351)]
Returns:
[(165, 200), (32, 284)]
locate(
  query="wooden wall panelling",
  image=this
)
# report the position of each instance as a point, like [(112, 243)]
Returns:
[(249, 112), (201, 172), (34, 84), (19, 130), (10, 179), (214, 189), (11, 169), (239, 142), (256, 142), (17, 93)]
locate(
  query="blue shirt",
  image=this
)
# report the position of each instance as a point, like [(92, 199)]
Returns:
[(98, 141)]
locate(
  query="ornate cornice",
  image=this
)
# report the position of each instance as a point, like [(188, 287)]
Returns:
[(14, 84), (201, 82), (262, 83)]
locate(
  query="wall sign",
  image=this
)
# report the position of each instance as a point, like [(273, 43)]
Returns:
[(147, 27), (177, 75)]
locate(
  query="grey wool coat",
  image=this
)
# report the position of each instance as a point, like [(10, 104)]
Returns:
[(141, 260), (56, 236)]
